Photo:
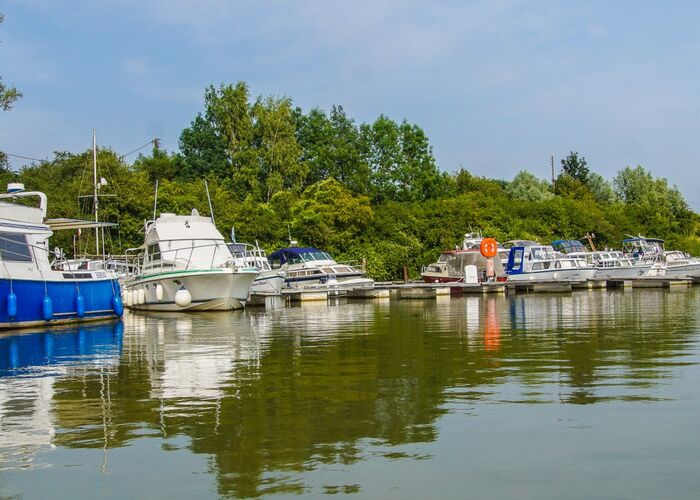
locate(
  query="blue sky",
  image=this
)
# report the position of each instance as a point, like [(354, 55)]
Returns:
[(497, 85)]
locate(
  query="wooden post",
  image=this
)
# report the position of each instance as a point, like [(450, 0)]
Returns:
[(405, 274)]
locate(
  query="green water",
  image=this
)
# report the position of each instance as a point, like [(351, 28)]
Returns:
[(585, 395)]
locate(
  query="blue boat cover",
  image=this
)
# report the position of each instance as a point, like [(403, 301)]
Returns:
[(283, 254)]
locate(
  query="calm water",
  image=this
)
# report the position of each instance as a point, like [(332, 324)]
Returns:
[(588, 395)]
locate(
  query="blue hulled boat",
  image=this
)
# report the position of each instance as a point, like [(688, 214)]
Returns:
[(31, 291)]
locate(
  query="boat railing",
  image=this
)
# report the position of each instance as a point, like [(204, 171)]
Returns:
[(183, 258)]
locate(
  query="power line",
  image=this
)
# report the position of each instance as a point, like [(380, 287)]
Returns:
[(24, 157), (153, 141)]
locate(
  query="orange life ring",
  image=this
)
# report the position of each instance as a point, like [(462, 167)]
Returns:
[(488, 247)]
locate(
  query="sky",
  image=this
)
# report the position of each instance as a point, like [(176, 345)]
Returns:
[(497, 85)]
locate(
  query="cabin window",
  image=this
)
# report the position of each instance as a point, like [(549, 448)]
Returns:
[(14, 248)]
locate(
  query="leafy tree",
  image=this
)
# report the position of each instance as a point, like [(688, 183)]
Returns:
[(8, 93), (527, 187), (329, 216), (332, 148), (401, 160), (575, 167), (658, 207), (568, 187), (158, 166), (601, 189), (202, 151), (276, 147)]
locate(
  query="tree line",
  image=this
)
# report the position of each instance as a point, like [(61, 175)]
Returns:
[(368, 190)]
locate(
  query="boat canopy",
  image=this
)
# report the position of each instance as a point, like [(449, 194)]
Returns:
[(569, 246), (642, 238), (62, 224), (298, 254)]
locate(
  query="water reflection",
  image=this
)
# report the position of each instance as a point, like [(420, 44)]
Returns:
[(271, 395), (31, 363)]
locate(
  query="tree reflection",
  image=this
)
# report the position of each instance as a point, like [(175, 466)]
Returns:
[(270, 395)]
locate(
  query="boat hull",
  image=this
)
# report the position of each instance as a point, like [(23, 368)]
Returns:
[(267, 283), (630, 272), (210, 290), (436, 278), (349, 281), (691, 270), (555, 275), (98, 301)]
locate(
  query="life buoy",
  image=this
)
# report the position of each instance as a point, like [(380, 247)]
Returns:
[(488, 247)]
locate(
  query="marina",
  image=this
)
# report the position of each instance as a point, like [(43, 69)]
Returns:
[(382, 250)]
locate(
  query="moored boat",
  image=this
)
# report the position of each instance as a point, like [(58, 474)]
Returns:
[(530, 261), (185, 265), (611, 264), (450, 266), (308, 267), (32, 293), (678, 264), (269, 281)]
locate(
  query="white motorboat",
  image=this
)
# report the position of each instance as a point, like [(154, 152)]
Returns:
[(530, 261), (269, 281), (678, 264), (611, 264), (185, 265), (308, 267)]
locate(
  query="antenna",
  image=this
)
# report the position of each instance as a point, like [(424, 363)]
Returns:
[(233, 234), (94, 185), (289, 233), (155, 201), (211, 210)]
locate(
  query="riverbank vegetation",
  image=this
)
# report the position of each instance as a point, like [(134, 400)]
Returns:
[(367, 190)]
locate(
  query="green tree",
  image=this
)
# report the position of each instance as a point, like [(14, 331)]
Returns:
[(276, 147), (8, 93), (657, 206), (329, 216), (601, 189), (401, 160), (158, 166), (575, 167), (332, 148), (527, 187)]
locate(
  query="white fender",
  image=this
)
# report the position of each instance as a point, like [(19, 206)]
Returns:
[(183, 298), (141, 296), (129, 298), (159, 292)]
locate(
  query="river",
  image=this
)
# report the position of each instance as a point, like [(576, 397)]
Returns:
[(593, 394)]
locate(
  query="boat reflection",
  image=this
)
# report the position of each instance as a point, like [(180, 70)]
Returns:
[(267, 395), (31, 364)]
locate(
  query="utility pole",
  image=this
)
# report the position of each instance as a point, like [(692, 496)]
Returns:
[(551, 160)]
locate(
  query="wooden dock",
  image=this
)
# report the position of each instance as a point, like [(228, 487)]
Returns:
[(418, 290)]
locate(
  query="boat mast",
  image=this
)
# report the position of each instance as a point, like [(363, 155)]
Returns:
[(94, 185)]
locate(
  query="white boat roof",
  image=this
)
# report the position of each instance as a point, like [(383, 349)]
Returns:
[(183, 227), (20, 213)]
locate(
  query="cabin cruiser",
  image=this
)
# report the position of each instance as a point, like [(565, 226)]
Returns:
[(269, 281), (449, 267), (185, 265), (530, 261), (610, 264), (32, 292), (678, 264), (308, 267)]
